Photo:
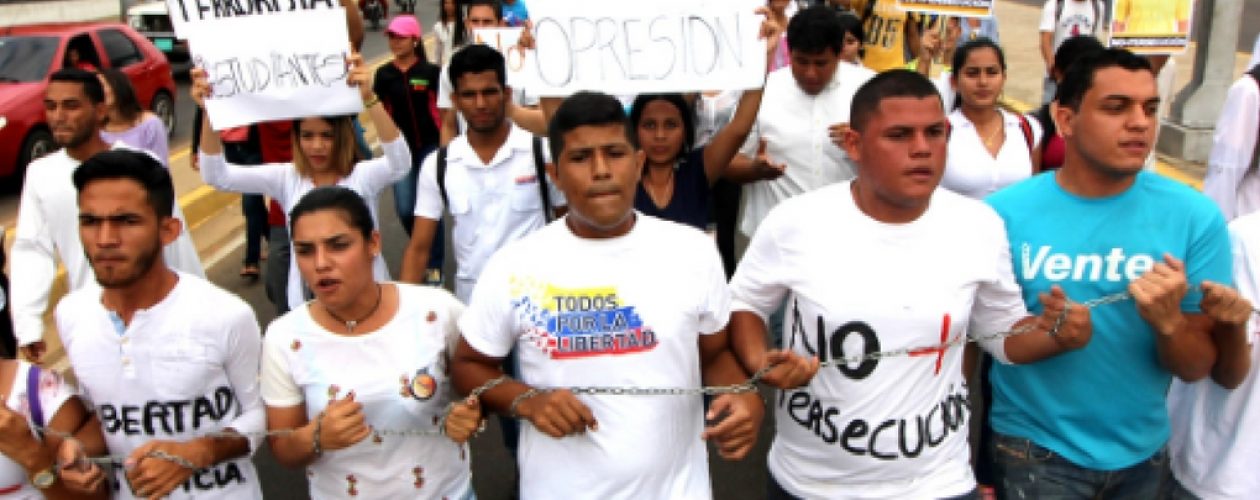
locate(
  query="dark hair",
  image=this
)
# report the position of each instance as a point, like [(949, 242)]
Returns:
[(1079, 77), (850, 24), (583, 109), (477, 59), (125, 100), (1072, 49), (132, 165), (889, 84), (91, 85), (442, 17), (963, 52), (814, 30), (688, 118), (462, 36), (337, 198)]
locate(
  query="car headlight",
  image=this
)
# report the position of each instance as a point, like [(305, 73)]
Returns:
[(3, 121)]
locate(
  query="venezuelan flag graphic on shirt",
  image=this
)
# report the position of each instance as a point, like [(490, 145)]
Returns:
[(572, 323)]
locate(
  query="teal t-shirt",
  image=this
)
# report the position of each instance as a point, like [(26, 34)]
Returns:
[(1101, 407)]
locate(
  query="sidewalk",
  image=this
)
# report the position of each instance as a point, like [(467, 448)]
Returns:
[(1018, 27)]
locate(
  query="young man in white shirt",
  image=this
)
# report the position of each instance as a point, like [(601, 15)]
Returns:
[(491, 183), (799, 107), (1060, 20), (891, 427), (610, 298), (1214, 441), (169, 360), (47, 231)]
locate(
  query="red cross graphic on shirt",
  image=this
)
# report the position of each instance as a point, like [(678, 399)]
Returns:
[(938, 350)]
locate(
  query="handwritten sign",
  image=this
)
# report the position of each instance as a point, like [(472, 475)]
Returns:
[(190, 12), (290, 66), (959, 8), (506, 40), (1151, 26), (645, 46)]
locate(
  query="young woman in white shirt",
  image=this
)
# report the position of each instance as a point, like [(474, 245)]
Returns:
[(444, 30), (360, 363), (324, 153), (989, 147), (29, 470)]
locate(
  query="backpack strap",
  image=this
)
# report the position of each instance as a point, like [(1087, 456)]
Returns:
[(1026, 128), (441, 176), (32, 397), (540, 172)]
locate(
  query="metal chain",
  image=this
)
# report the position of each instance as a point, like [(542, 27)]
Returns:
[(747, 386)]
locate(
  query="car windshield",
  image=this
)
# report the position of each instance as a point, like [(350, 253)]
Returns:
[(26, 58)]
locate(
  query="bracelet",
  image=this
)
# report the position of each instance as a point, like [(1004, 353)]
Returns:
[(520, 399), (371, 102), (315, 445), (490, 384)]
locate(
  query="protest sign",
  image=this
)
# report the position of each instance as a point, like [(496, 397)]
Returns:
[(290, 66), (505, 40), (1151, 26), (958, 8), (190, 12), (645, 46)]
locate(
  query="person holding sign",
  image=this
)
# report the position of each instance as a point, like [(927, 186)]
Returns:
[(893, 426), (678, 180), (613, 298), (364, 357), (324, 155)]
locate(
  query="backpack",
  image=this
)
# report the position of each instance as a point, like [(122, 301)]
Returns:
[(540, 171)]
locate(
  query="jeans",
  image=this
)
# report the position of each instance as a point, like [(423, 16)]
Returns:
[(775, 491), (1048, 90), (405, 207), (253, 206), (1173, 490), (1024, 470), (276, 280)]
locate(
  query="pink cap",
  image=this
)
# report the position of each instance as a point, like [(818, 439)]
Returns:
[(404, 26)]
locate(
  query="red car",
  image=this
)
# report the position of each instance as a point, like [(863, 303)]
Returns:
[(30, 54)]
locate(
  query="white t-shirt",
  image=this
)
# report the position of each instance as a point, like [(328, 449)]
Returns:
[(491, 204), (897, 427), (48, 231), (400, 375), (972, 172), (1077, 19), (1215, 444), (185, 367), (283, 183), (53, 393), (1232, 180), (795, 126), (625, 311)]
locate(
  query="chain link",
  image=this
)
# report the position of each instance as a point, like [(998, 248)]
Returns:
[(742, 388)]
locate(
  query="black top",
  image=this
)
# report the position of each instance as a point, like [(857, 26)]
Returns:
[(411, 99), (690, 203)]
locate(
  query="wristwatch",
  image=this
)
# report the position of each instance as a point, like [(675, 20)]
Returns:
[(44, 479)]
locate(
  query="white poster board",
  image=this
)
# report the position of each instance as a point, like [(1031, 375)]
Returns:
[(277, 67), (505, 40), (645, 46), (184, 13), (957, 8)]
